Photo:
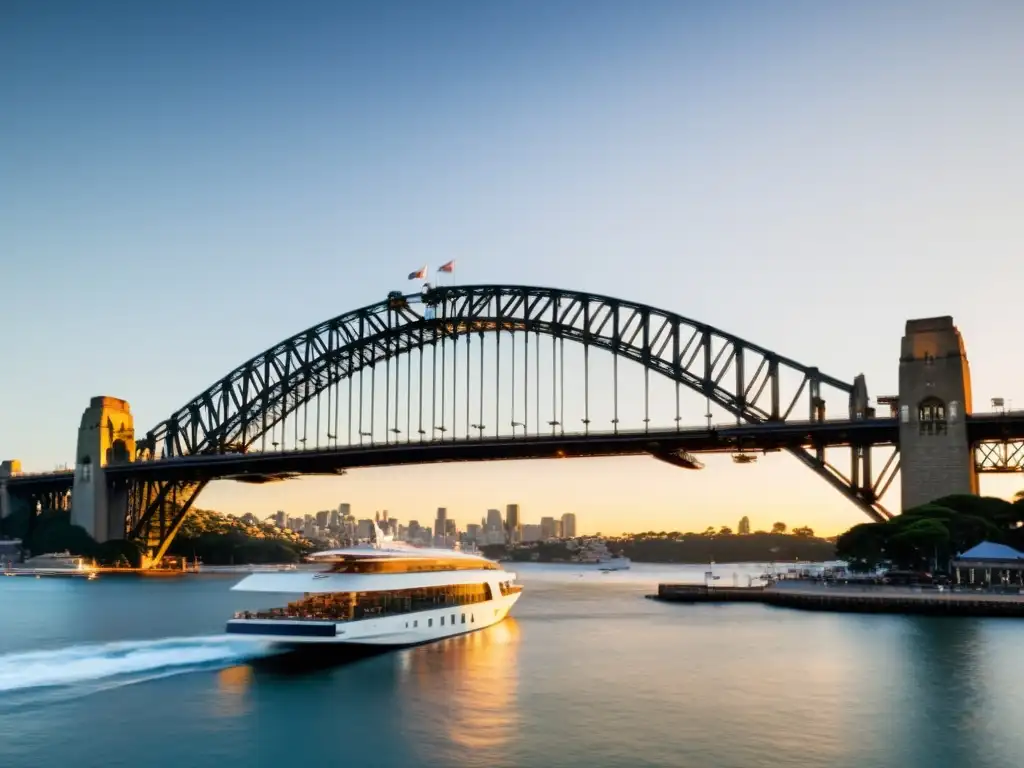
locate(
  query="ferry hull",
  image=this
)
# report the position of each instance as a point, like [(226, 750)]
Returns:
[(388, 631)]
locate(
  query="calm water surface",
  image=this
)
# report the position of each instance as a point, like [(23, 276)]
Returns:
[(588, 673)]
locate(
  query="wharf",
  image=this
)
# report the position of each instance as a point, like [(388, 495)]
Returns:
[(852, 599), (90, 573)]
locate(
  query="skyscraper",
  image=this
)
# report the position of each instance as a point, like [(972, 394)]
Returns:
[(513, 525), (547, 527), (743, 528), (493, 520), (569, 525), (440, 525)]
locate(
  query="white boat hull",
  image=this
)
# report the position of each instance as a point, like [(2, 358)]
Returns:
[(614, 564), (387, 631)]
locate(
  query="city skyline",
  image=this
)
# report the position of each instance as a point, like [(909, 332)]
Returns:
[(846, 169)]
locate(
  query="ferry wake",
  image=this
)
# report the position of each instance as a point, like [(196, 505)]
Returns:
[(385, 593)]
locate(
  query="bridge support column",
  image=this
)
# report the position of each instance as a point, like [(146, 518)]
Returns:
[(934, 398), (8, 469), (106, 436)]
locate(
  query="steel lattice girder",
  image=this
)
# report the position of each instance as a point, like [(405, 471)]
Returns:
[(250, 400), (243, 406), (1003, 457)]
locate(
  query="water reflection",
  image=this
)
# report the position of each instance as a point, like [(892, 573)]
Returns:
[(233, 684), (945, 658), (466, 688)]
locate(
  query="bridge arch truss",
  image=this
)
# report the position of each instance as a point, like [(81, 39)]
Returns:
[(269, 397)]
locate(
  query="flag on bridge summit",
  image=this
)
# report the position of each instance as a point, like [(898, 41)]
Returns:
[(419, 274), (448, 267)]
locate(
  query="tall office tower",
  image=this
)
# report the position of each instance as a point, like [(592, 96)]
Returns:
[(547, 527), (513, 525), (493, 520), (569, 525)]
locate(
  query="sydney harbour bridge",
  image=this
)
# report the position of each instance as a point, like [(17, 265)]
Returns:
[(491, 372)]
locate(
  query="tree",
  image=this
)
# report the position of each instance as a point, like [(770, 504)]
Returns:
[(920, 543), (863, 546), (778, 527), (725, 530), (804, 531), (933, 533)]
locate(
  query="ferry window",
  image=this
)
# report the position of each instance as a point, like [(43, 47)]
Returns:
[(472, 618), (415, 623), (453, 618), (430, 622), (463, 618)]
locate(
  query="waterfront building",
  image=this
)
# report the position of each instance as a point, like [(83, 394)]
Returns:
[(569, 525)]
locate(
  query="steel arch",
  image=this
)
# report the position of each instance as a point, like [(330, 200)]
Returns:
[(247, 402), (739, 376)]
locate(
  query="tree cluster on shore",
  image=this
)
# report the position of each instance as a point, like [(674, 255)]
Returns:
[(210, 537), (721, 546), (929, 536)]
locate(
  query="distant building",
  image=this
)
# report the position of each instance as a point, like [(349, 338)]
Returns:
[(743, 529), (569, 525), (547, 528), (530, 533), (415, 533), (281, 519), (364, 529), (513, 524), (323, 518), (494, 522), (473, 533)]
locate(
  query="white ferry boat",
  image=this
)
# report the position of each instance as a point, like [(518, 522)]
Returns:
[(383, 594), (594, 555), (53, 564)]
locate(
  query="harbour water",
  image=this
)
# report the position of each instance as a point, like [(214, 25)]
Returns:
[(129, 672)]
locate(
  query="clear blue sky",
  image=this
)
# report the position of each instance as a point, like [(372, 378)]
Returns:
[(182, 184)]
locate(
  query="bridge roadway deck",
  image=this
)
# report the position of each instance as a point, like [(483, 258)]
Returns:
[(333, 460), (755, 437)]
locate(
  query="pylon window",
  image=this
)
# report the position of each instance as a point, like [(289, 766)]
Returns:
[(931, 416)]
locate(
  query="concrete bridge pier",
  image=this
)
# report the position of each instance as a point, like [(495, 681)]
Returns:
[(936, 456), (8, 469), (106, 436)]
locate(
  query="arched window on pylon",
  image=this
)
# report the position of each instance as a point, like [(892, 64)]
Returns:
[(931, 416)]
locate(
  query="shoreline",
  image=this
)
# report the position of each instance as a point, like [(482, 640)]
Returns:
[(852, 599)]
